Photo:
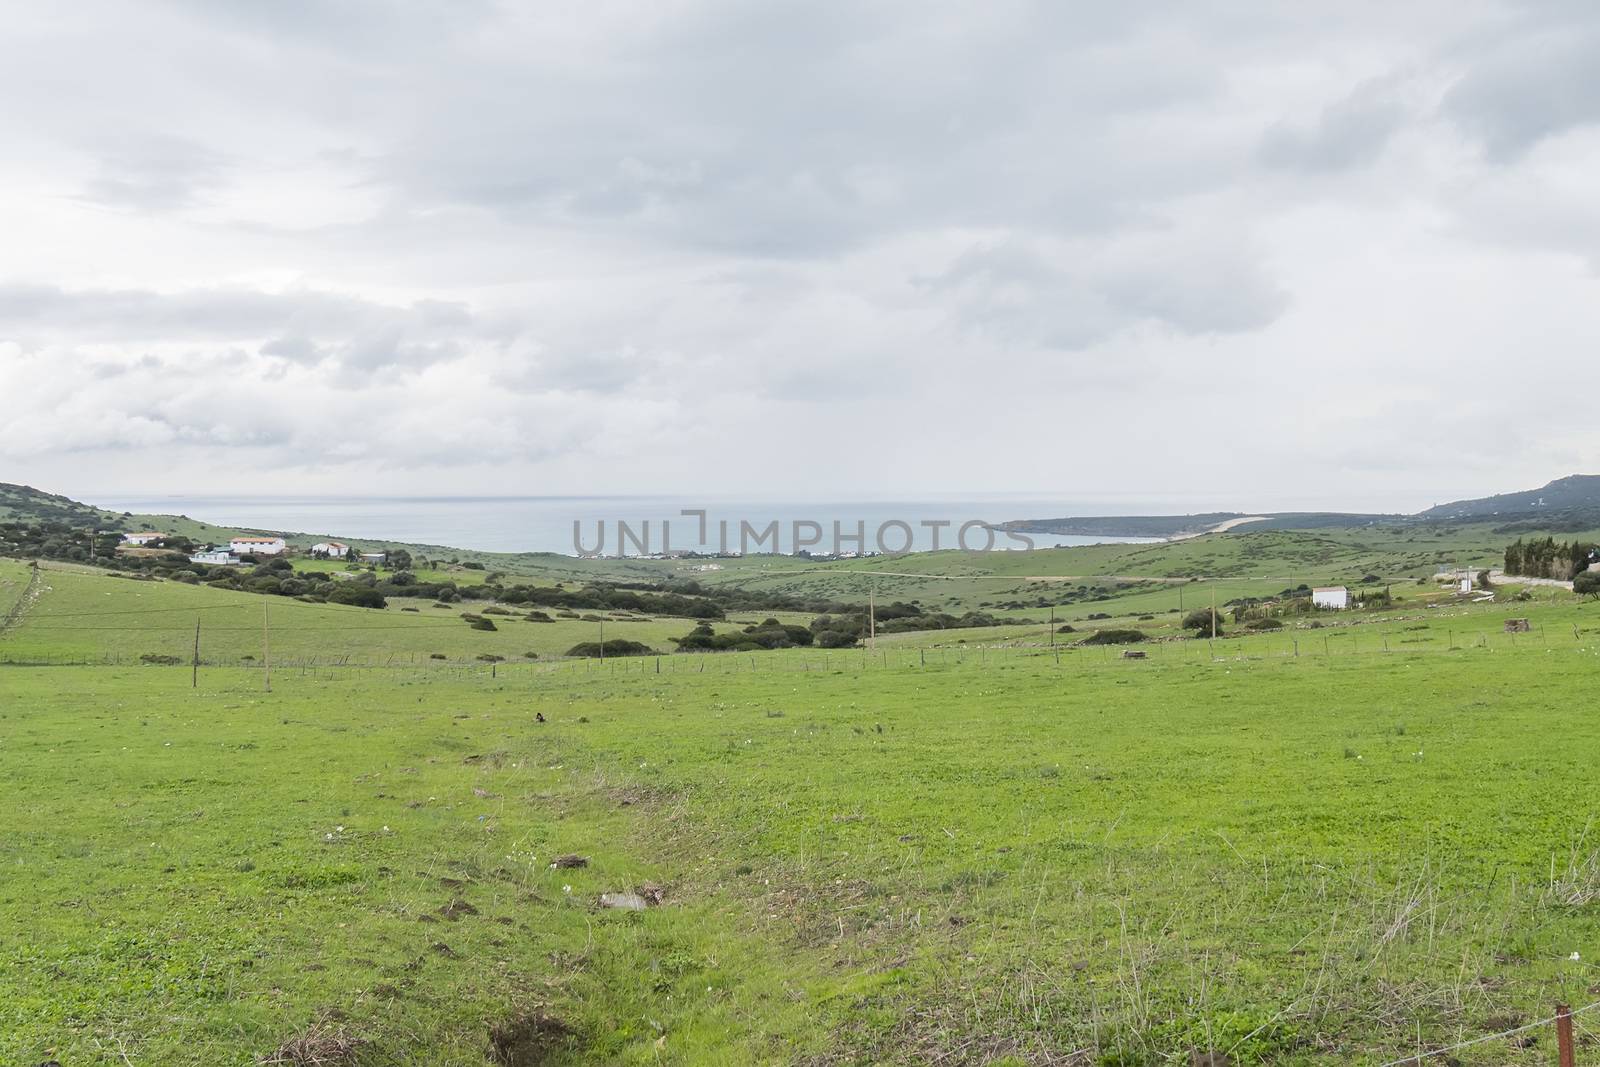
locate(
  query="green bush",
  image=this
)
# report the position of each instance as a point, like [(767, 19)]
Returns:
[(617, 646), (1114, 637), (361, 596)]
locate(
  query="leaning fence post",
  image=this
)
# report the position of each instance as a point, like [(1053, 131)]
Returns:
[(1564, 1035)]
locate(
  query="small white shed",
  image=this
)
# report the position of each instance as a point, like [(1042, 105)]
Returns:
[(1331, 597)]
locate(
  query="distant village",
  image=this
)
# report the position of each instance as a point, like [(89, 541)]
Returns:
[(242, 549)]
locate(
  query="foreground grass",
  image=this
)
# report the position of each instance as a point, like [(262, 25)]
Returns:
[(867, 860)]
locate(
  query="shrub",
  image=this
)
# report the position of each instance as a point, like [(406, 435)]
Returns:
[(1587, 583), (361, 596), (1264, 624), (1111, 636), (617, 646)]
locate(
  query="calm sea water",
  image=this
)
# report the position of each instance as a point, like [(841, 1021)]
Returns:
[(545, 524)]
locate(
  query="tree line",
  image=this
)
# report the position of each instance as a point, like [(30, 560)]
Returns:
[(1548, 558)]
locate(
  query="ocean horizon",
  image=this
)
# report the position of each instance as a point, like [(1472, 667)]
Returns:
[(546, 523)]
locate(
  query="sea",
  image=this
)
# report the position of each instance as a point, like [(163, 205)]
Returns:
[(644, 525)]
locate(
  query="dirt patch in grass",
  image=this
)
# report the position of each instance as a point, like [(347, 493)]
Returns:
[(324, 1043), (529, 1040)]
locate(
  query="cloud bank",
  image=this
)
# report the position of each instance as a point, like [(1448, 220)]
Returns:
[(1231, 253)]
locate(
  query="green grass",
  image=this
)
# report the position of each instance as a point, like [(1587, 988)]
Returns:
[(933, 850), (86, 615)]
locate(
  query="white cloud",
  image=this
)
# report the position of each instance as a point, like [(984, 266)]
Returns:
[(702, 245)]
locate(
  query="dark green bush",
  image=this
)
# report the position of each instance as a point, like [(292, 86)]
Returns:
[(1111, 636)]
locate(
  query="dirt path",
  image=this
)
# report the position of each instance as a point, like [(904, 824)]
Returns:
[(1502, 578), (29, 594)]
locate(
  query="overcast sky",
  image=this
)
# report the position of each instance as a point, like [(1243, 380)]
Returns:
[(1243, 254)]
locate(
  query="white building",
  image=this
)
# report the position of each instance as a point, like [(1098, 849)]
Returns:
[(374, 557), (141, 538), (330, 549), (257, 546), (1331, 597), (214, 556)]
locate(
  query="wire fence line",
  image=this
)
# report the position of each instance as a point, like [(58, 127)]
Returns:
[(802, 659), (1565, 1041)]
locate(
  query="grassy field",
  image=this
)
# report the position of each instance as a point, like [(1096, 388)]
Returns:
[(82, 614), (1238, 563), (961, 847)]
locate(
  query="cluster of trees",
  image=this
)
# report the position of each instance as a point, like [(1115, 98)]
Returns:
[(1548, 558), (277, 577), (768, 634), (59, 540)]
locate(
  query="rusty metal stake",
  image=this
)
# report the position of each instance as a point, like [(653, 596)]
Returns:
[(1564, 1035)]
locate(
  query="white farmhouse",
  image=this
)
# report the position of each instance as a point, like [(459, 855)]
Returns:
[(257, 546), (374, 557), (215, 556), (330, 549), (1331, 597), (141, 538)]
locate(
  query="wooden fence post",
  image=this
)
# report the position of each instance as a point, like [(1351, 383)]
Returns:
[(1564, 1035)]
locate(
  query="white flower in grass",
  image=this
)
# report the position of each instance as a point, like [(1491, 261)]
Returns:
[(1573, 957), (566, 889)]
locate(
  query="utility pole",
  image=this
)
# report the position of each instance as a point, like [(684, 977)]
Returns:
[(602, 639), (872, 617), (1213, 613), (1052, 627), (266, 644), (194, 677)]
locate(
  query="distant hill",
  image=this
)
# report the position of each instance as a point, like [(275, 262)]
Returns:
[(1574, 493), (24, 502), (1566, 504)]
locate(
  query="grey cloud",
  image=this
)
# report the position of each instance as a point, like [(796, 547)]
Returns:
[(1077, 295), (1348, 133), (1535, 80), (154, 172), (300, 326), (796, 129)]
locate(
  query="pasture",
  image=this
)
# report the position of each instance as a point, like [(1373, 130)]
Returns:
[(934, 851)]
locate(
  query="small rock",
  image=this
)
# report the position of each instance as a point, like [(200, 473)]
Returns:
[(570, 860), (625, 901)]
